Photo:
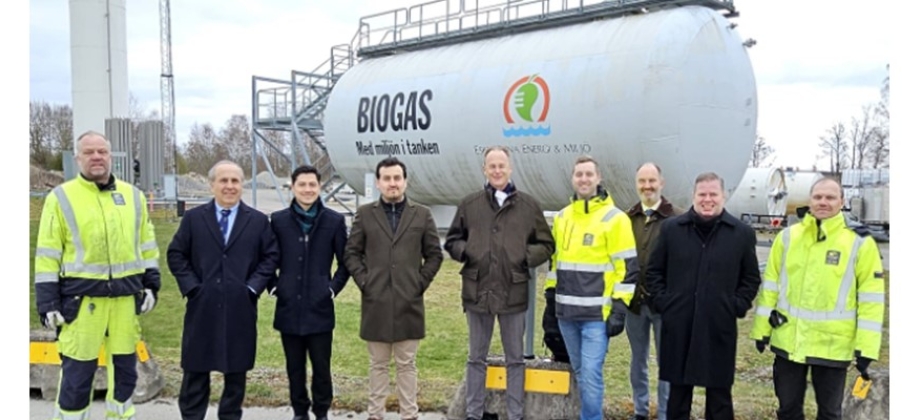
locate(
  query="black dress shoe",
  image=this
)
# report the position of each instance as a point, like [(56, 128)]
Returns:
[(638, 417), (489, 416)]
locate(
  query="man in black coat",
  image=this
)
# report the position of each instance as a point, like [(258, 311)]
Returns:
[(309, 236), (701, 276), (223, 256)]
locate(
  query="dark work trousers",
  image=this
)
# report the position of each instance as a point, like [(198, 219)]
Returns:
[(319, 348), (77, 380), (789, 382), (196, 390), (718, 403)]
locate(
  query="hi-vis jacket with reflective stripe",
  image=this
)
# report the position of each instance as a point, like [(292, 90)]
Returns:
[(829, 282), (595, 259), (92, 241)]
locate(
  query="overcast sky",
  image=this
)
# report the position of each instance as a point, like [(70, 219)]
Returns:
[(806, 83)]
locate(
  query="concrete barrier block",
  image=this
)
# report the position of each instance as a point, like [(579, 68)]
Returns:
[(546, 404), (875, 405), (45, 370)]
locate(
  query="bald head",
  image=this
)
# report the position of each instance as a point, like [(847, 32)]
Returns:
[(825, 198), (94, 157), (649, 183)]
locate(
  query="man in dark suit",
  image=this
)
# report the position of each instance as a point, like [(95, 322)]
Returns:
[(309, 236), (393, 253), (223, 256), (701, 276)]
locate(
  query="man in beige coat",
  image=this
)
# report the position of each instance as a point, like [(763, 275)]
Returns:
[(393, 253)]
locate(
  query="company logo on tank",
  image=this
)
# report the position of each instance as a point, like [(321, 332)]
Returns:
[(525, 107), (399, 113)]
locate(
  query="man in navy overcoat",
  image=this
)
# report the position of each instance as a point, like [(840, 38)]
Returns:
[(223, 257)]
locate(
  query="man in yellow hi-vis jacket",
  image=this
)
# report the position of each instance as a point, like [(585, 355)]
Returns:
[(96, 269), (821, 304), (593, 271)]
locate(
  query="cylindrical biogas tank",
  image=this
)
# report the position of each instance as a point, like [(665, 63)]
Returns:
[(798, 184), (762, 191), (675, 87)]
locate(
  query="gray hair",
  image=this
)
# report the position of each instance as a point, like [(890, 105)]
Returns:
[(211, 172), (92, 133)]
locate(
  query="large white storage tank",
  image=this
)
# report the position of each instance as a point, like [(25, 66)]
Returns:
[(762, 191), (674, 86), (799, 186), (98, 63)]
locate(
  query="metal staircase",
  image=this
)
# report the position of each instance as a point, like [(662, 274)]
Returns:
[(294, 108)]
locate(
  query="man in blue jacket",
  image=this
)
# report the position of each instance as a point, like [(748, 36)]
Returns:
[(309, 235)]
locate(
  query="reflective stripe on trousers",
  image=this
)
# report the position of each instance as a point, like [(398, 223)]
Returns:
[(119, 411)]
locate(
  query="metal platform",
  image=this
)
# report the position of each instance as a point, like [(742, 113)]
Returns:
[(444, 22)]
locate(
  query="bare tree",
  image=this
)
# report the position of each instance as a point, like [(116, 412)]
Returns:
[(50, 133), (204, 149), (40, 143), (862, 132), (878, 145), (762, 151), (62, 120), (834, 145), (235, 137)]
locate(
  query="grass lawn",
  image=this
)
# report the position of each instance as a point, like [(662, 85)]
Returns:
[(441, 357)]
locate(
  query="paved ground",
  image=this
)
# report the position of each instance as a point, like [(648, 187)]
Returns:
[(160, 409)]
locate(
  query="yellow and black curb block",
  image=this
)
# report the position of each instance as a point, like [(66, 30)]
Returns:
[(45, 368)]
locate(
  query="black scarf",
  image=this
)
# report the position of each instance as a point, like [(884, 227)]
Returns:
[(704, 226)]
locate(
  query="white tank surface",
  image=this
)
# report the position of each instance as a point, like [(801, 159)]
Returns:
[(798, 184), (674, 86), (762, 191), (98, 63)]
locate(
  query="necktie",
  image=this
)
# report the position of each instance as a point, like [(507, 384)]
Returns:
[(224, 219), (648, 215)]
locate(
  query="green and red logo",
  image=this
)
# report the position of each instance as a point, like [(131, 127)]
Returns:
[(525, 107)]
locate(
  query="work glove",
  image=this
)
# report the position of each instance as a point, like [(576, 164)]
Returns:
[(53, 320), (862, 365), (777, 319), (616, 322), (761, 345), (149, 301)]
